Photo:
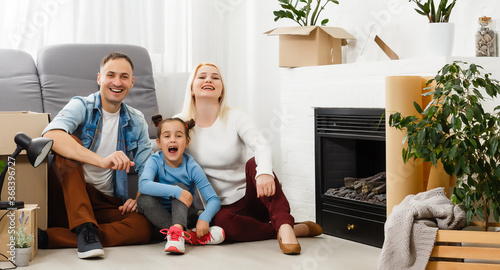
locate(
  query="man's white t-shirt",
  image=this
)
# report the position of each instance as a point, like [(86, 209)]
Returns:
[(102, 179)]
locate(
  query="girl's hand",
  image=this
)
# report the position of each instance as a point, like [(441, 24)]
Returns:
[(129, 206), (265, 185), (201, 228), (186, 198)]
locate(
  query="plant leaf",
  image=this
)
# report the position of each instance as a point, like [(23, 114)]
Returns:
[(497, 171), (421, 134), (493, 147), (473, 142), (417, 107)]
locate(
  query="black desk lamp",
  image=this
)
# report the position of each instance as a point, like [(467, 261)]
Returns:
[(36, 150)]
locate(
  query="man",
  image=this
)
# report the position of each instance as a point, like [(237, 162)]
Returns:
[(93, 138)]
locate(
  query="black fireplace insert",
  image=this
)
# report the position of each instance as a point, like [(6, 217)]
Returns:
[(350, 145)]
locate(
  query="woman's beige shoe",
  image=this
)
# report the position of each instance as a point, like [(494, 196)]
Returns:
[(289, 249), (314, 228)]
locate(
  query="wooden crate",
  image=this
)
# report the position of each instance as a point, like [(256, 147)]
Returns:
[(461, 252)]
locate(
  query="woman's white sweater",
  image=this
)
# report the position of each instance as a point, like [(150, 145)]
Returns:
[(221, 151)]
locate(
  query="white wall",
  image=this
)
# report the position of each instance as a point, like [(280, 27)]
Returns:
[(402, 28)]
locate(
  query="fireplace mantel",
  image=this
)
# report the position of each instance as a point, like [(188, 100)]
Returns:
[(356, 85)]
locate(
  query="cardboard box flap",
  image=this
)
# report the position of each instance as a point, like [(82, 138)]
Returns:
[(296, 30), (339, 33), (335, 32)]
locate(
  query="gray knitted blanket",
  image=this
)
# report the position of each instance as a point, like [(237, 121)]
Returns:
[(411, 228)]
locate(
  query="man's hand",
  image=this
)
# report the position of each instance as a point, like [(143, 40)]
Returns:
[(186, 198), (265, 185), (129, 206), (117, 161), (201, 228)]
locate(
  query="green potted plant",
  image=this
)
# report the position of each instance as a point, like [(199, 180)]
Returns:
[(22, 242), (440, 32), (306, 14), (434, 14), (455, 129)]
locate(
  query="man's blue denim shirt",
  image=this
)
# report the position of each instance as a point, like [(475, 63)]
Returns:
[(82, 117)]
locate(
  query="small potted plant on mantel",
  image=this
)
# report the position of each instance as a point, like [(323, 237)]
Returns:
[(440, 32), (439, 14), (308, 44)]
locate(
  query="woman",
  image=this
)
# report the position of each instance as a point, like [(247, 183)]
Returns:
[(250, 193)]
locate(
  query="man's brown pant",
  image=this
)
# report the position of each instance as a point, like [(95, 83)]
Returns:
[(73, 202)]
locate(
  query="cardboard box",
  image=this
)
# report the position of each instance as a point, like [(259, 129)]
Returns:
[(310, 45), (30, 183), (11, 222)]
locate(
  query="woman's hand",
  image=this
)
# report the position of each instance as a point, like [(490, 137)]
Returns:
[(265, 185), (201, 228), (186, 198)]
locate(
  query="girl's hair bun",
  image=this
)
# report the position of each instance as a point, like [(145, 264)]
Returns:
[(190, 124), (157, 119)]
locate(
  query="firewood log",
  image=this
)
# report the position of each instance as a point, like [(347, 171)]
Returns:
[(358, 185), (369, 186), (379, 190), (349, 181)]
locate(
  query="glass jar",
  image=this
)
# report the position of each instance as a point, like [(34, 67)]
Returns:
[(486, 38)]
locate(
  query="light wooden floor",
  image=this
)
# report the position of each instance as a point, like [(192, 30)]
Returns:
[(321, 252)]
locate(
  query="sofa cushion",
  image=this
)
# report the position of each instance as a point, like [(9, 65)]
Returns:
[(68, 70), (19, 86)]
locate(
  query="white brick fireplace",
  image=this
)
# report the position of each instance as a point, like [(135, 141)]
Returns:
[(357, 85)]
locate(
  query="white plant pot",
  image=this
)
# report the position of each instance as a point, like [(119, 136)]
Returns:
[(22, 256), (440, 37)]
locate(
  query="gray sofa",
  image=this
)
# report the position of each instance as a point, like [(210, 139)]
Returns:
[(67, 70), (19, 84)]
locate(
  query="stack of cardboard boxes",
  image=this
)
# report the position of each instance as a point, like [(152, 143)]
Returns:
[(27, 184)]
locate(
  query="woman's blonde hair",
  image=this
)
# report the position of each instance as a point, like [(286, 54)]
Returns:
[(189, 107)]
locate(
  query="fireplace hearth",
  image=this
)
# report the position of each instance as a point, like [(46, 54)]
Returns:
[(350, 149)]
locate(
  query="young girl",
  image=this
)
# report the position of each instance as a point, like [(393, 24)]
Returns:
[(167, 200)]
